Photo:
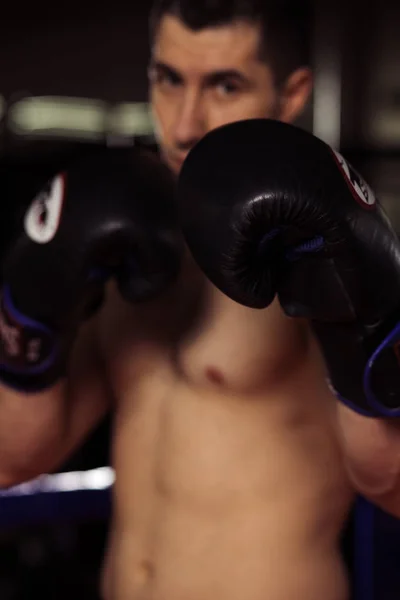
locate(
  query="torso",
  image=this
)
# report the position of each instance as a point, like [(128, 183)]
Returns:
[(229, 485)]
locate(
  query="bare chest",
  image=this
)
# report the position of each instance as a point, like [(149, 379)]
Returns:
[(204, 338), (210, 445)]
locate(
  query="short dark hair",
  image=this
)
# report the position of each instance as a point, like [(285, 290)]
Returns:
[(286, 26)]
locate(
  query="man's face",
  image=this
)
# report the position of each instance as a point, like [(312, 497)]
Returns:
[(201, 80)]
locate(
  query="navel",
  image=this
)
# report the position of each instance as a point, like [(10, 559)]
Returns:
[(145, 571)]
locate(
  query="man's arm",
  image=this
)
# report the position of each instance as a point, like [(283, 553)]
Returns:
[(109, 215), (301, 223), (372, 457), (38, 432)]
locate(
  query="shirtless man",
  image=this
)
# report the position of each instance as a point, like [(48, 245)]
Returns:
[(230, 480)]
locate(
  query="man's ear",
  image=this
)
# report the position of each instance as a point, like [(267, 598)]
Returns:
[(295, 94)]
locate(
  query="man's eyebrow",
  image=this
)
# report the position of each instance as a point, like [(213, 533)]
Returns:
[(162, 67), (222, 75), (211, 78)]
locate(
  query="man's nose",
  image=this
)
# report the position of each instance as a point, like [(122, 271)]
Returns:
[(190, 123)]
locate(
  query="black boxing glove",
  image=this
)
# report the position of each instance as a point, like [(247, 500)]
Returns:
[(109, 215), (267, 208)]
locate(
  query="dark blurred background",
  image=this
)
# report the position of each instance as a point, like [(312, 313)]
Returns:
[(96, 52), (90, 62)]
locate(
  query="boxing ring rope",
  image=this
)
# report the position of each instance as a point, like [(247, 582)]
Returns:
[(363, 544), (85, 495), (68, 496)]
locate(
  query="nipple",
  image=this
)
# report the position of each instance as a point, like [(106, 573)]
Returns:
[(214, 375)]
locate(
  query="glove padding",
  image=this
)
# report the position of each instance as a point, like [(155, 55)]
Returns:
[(111, 214), (269, 209)]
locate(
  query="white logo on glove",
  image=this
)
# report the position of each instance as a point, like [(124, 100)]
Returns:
[(43, 216), (356, 182)]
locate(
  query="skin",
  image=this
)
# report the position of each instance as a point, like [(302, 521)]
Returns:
[(215, 394), (231, 480), (201, 80), (234, 464)]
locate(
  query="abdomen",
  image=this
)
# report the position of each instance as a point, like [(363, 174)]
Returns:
[(220, 498)]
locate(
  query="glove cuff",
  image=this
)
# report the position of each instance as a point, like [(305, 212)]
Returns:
[(30, 352)]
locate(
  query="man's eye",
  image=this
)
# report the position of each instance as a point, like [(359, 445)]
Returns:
[(228, 88), (165, 79)]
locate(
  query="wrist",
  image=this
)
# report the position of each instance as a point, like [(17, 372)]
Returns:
[(32, 355)]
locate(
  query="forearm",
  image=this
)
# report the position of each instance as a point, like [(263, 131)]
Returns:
[(33, 432), (372, 453), (39, 431)]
